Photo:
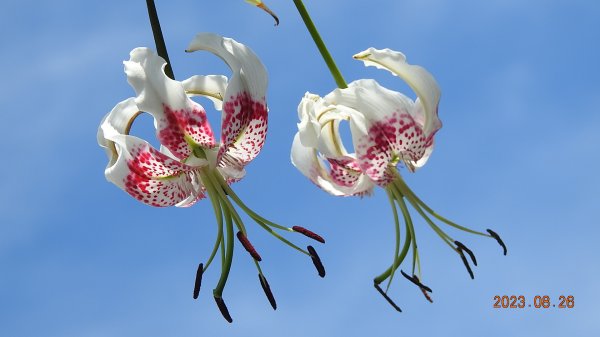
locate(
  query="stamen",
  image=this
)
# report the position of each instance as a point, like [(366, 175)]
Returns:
[(248, 246), (414, 279), (427, 295), (463, 247), (198, 281), (316, 261), (267, 290), (223, 309), (466, 263), (308, 233), (497, 237), (387, 298)]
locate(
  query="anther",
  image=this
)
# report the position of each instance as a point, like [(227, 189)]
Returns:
[(198, 281), (466, 263), (427, 295), (497, 237), (248, 246), (414, 279), (223, 309), (387, 298), (267, 290), (463, 247), (308, 233), (316, 261)]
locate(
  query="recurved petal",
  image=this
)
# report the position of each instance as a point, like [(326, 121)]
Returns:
[(419, 79), (212, 87), (383, 130), (116, 122), (178, 119), (309, 128), (150, 176), (344, 178), (244, 120)]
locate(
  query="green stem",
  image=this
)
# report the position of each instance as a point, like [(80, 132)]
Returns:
[(411, 229), (215, 185), (161, 47), (397, 244), (218, 291), (255, 216), (314, 33), (399, 258), (217, 178), (404, 187), (219, 215)]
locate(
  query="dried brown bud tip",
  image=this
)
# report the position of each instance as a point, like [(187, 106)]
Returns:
[(267, 290), (308, 233), (316, 261), (463, 247), (223, 309), (198, 281), (248, 246), (268, 10), (414, 279), (497, 237), (387, 298), (466, 263)]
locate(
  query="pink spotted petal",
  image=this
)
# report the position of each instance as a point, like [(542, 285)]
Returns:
[(344, 178), (178, 120), (244, 120), (151, 176), (344, 171), (147, 174), (383, 129)]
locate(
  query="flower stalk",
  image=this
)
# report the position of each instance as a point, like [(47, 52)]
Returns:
[(314, 33), (159, 41)]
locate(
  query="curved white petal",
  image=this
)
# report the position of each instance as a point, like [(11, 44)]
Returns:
[(211, 86), (309, 129), (342, 181), (419, 79), (331, 144), (116, 122), (244, 120), (178, 119)]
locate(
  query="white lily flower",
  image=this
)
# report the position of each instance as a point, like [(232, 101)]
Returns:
[(387, 129), (191, 163)]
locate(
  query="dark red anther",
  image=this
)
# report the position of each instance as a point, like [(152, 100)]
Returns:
[(267, 290), (223, 309), (198, 281), (414, 279), (463, 247), (387, 298), (316, 261), (248, 246), (426, 295), (497, 237), (308, 233)]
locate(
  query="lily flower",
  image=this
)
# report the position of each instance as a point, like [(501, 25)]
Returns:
[(190, 163), (388, 129)]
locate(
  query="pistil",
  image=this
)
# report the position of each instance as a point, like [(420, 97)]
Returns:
[(220, 193)]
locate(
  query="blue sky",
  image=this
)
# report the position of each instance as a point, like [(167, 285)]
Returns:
[(517, 153)]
